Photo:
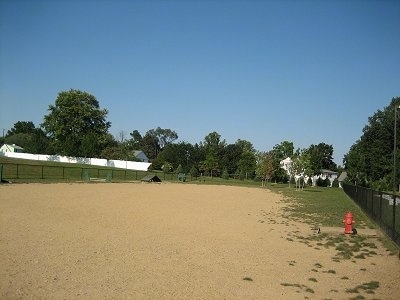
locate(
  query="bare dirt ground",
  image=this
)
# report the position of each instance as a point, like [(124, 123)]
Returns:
[(171, 241)]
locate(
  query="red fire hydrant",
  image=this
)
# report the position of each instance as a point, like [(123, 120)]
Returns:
[(348, 223)]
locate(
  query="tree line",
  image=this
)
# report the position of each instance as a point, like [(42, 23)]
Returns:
[(370, 160), (75, 125)]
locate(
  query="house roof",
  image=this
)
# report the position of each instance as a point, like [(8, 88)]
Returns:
[(325, 171), (13, 146), (151, 178), (342, 176)]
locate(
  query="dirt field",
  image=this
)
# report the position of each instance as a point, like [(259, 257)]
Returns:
[(171, 241)]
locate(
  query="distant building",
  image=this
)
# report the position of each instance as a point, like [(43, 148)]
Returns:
[(11, 148), (341, 178), (328, 174), (141, 156), (287, 162)]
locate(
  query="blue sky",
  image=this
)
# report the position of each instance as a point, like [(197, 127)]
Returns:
[(263, 71)]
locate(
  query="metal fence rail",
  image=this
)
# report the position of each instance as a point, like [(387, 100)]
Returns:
[(380, 206)]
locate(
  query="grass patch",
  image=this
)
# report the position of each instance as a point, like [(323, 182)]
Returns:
[(247, 279), (326, 207), (300, 286), (331, 203), (368, 287), (318, 265)]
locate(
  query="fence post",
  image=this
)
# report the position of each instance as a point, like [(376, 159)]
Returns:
[(394, 217), (42, 171)]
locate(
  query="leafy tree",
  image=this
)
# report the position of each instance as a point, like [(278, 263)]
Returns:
[(265, 165), (213, 148), (320, 157), (21, 139), (179, 169), (225, 174), (245, 146), (194, 172), (27, 136), (26, 127), (179, 154), (165, 136), (230, 157), (247, 161), (135, 140), (369, 161), (283, 150), (167, 167), (149, 145), (74, 116), (279, 152)]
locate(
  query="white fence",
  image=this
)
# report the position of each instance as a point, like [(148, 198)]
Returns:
[(123, 164)]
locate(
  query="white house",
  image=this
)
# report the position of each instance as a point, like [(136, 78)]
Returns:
[(286, 163), (141, 156), (11, 148), (328, 174)]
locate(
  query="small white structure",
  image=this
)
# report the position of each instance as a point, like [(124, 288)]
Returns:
[(11, 148), (285, 164), (341, 178), (141, 156)]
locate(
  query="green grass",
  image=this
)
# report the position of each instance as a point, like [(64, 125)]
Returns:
[(326, 207), (368, 287), (321, 206)]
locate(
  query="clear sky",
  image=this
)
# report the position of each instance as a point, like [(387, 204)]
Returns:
[(263, 71)]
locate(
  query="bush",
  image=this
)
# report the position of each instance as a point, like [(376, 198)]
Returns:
[(179, 169), (321, 182), (225, 174), (194, 172), (335, 183)]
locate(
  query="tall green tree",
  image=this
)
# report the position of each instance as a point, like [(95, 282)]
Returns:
[(155, 140), (230, 157), (22, 127), (283, 150), (280, 152), (265, 165), (27, 136), (135, 140), (369, 161), (75, 117), (178, 154), (320, 157), (213, 147)]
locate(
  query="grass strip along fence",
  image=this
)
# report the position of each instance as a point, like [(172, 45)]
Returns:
[(380, 206), (31, 171), (22, 170)]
